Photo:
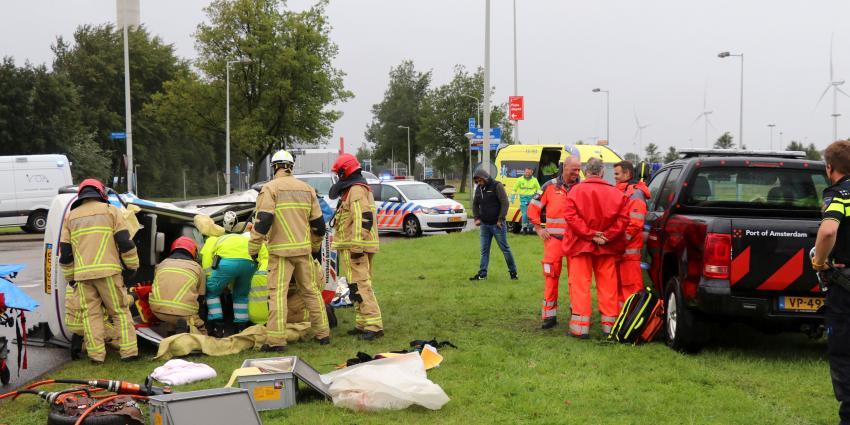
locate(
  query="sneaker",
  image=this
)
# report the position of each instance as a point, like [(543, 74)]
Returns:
[(371, 335), (355, 332), (514, 276), (273, 349), (324, 341), (478, 276), (549, 323)]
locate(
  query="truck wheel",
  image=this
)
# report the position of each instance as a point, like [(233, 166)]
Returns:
[(37, 222), (685, 332), (411, 227)]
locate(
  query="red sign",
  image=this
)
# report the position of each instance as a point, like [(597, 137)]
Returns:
[(516, 108)]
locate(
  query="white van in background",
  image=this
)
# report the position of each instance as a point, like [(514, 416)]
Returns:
[(28, 184)]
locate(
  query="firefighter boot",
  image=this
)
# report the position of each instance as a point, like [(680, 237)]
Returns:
[(182, 327), (371, 335), (549, 323), (216, 328), (273, 349), (76, 346)]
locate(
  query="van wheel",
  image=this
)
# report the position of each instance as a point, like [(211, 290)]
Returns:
[(411, 227), (685, 332), (37, 222)]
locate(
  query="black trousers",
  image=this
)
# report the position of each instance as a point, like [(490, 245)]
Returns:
[(838, 346)]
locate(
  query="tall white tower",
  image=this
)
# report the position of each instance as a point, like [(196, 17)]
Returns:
[(128, 13)]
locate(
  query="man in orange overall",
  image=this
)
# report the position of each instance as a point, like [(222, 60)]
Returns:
[(553, 197), (628, 267), (597, 216)]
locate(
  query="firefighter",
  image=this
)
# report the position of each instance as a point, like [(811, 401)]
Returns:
[(832, 256), (74, 323), (230, 263), (526, 187), (356, 241), (93, 245), (553, 197), (630, 276), (177, 283), (287, 213), (597, 216), (296, 307)]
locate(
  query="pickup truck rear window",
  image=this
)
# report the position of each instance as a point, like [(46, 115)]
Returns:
[(751, 187)]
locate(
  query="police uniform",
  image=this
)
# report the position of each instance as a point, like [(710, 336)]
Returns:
[(836, 199), (286, 210), (93, 245)]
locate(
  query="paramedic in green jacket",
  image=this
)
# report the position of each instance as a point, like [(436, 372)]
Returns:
[(526, 187)]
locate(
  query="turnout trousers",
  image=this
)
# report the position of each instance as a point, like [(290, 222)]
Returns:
[(583, 268), (196, 325), (630, 278), (281, 270), (553, 258), (106, 293), (357, 269), (838, 346)]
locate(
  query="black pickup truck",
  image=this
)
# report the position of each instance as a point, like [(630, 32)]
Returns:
[(728, 235)]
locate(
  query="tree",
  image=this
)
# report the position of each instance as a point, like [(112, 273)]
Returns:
[(284, 94), (724, 142), (88, 159), (632, 157), (401, 105), (364, 152), (444, 120), (811, 151), (671, 155), (652, 153)]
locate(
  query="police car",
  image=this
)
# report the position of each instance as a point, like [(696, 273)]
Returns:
[(413, 207)]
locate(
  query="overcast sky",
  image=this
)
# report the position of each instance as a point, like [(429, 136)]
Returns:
[(656, 58)]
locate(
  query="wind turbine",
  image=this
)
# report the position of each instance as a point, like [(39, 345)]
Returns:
[(704, 115), (639, 131), (835, 86)]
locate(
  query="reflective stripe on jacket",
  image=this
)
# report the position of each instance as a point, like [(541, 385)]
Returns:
[(293, 204), (90, 230), (637, 195), (553, 197), (526, 187), (258, 296)]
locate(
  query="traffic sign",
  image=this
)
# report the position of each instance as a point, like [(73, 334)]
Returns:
[(477, 147), (516, 108), (118, 135), (495, 133), (472, 125)]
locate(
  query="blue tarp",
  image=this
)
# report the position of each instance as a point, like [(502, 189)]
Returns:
[(15, 297)]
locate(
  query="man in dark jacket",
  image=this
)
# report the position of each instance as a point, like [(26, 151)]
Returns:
[(489, 207)]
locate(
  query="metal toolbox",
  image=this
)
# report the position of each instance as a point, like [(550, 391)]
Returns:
[(278, 387), (218, 406)]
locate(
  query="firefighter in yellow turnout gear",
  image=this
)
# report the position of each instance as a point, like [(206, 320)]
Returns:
[(287, 213), (93, 245), (356, 241), (177, 283), (74, 322)]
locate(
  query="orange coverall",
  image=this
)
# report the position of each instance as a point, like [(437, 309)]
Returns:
[(628, 267)]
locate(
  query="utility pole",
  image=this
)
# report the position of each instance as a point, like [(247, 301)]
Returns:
[(485, 161), (128, 113), (516, 92)]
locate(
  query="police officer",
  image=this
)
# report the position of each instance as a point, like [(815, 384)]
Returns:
[(832, 256), (92, 247), (287, 212), (356, 240)]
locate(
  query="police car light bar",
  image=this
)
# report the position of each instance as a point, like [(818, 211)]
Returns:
[(695, 153)]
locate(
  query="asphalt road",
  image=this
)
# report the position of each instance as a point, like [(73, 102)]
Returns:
[(40, 360)]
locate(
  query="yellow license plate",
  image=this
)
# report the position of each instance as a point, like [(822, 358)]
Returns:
[(811, 304), (455, 218)]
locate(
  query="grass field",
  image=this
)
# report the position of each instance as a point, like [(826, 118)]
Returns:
[(506, 370)]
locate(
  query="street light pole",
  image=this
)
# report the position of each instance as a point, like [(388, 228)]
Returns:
[(485, 149), (227, 122), (771, 126), (409, 166), (741, 112), (477, 108), (516, 93), (607, 113), (128, 112)]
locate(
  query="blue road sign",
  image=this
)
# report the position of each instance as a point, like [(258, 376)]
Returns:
[(495, 133), (472, 124), (493, 147), (118, 135)]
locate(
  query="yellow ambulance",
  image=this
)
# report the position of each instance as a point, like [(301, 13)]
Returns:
[(512, 160)]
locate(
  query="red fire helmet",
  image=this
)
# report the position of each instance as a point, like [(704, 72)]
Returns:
[(345, 165), (185, 243)]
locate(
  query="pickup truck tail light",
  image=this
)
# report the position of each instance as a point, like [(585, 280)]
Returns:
[(717, 256)]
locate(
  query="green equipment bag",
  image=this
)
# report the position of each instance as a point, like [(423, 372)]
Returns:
[(640, 319)]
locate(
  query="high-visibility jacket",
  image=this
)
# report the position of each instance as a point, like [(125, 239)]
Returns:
[(596, 206), (293, 204), (349, 233), (553, 197), (637, 194), (526, 186), (97, 237), (231, 245), (258, 297), (207, 255), (176, 286)]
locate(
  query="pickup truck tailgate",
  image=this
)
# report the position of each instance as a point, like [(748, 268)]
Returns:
[(773, 255)]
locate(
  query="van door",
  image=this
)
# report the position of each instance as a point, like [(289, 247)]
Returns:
[(8, 203)]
